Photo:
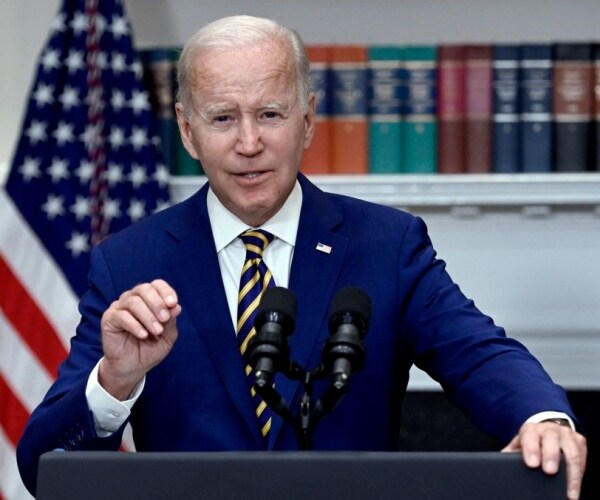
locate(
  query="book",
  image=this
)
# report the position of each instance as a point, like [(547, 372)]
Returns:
[(535, 104), (478, 108), (349, 134), (596, 97), (506, 156), (186, 165), (157, 65), (451, 108), (316, 158), (419, 121), (384, 105), (573, 106)]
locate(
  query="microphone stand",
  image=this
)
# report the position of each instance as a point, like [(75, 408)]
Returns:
[(309, 415)]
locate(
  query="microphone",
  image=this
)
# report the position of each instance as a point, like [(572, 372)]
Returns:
[(268, 349), (344, 352)]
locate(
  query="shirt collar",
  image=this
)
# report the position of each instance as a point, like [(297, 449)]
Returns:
[(226, 227)]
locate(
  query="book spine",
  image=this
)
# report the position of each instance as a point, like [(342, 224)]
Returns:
[(157, 67), (384, 102), (505, 126), (572, 103), (535, 102), (419, 127), (451, 108), (316, 158), (596, 96), (478, 108), (349, 134), (186, 165)]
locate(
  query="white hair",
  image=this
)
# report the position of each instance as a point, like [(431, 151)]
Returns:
[(236, 32)]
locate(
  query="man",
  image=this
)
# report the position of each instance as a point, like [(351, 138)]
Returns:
[(157, 341)]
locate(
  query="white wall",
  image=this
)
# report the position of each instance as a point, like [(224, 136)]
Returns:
[(24, 25)]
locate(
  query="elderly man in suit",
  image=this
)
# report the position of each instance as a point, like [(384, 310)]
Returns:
[(157, 344)]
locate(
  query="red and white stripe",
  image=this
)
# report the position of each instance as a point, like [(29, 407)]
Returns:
[(38, 315)]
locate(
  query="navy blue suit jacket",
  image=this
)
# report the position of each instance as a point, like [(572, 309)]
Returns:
[(198, 397)]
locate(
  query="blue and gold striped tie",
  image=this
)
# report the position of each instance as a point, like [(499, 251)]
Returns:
[(256, 278)]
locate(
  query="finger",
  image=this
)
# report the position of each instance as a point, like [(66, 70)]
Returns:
[(166, 292), (120, 320), (575, 452), (529, 442), (550, 445), (147, 306)]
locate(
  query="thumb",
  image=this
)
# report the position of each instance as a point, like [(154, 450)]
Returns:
[(171, 325), (513, 446)]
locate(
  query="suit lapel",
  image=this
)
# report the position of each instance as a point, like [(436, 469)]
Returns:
[(194, 263), (313, 277)]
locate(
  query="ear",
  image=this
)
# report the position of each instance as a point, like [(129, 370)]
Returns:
[(309, 120), (185, 131)]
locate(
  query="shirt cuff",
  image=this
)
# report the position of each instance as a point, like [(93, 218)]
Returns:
[(109, 413), (547, 415)]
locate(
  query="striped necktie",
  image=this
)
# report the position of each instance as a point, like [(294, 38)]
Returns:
[(256, 278)]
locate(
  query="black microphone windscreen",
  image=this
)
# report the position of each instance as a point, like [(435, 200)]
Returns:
[(352, 300), (278, 299)]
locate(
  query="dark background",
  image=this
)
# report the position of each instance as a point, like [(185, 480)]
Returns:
[(430, 423)]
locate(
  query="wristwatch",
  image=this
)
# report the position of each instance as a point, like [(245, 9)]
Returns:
[(560, 421)]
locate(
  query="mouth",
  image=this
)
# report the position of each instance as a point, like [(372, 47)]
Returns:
[(250, 176)]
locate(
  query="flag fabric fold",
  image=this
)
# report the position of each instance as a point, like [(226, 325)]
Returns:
[(87, 164)]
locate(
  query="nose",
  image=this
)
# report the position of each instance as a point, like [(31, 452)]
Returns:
[(249, 142)]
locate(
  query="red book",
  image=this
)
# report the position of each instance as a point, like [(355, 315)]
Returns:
[(596, 107), (451, 108), (349, 128), (478, 108), (317, 157)]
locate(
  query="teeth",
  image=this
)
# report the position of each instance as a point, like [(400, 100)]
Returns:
[(250, 176)]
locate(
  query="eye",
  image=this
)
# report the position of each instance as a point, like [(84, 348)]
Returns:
[(222, 118), (269, 115)]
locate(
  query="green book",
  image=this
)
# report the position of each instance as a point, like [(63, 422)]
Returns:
[(384, 100), (185, 164), (157, 64), (419, 126)]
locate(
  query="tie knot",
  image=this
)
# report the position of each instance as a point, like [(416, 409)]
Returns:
[(255, 241)]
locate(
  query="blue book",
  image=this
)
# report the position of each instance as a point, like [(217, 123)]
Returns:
[(535, 100), (506, 155)]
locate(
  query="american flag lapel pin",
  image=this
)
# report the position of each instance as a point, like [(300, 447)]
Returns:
[(321, 247)]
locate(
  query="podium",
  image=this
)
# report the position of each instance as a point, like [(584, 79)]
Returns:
[(293, 476)]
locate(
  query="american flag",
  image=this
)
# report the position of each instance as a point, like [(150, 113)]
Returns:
[(87, 164)]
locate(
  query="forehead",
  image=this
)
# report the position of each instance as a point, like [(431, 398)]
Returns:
[(252, 68)]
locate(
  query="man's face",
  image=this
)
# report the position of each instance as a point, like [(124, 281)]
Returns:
[(248, 127)]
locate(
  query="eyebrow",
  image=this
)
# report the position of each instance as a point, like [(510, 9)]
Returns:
[(219, 109)]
